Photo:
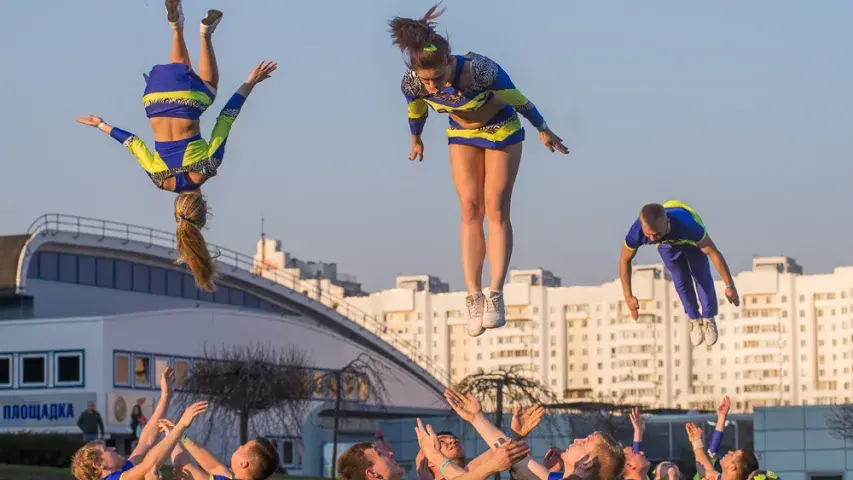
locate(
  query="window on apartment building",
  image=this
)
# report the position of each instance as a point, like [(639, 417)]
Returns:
[(33, 369), (5, 371), (68, 368), (802, 298)]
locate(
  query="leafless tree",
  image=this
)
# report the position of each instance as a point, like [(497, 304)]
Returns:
[(840, 421), (501, 390), (257, 386), (361, 380)]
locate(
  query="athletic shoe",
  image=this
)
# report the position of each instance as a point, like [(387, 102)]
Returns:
[(495, 315), (697, 334), (175, 13), (710, 331), (475, 304), (209, 22)]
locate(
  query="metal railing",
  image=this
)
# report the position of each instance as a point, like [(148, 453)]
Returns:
[(76, 225)]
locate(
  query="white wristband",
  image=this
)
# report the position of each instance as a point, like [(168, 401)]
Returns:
[(101, 126)]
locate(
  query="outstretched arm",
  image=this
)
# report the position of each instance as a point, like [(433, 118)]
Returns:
[(489, 72), (418, 112), (717, 437), (468, 408), (503, 87), (634, 239), (703, 463), (133, 143), (155, 458), (150, 432), (710, 249), (205, 459)]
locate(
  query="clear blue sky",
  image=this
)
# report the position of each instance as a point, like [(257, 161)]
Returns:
[(742, 109)]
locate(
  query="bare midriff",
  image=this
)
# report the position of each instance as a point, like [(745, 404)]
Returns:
[(168, 129), (478, 118)]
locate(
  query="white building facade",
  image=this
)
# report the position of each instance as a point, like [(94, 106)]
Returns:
[(94, 311), (789, 343)]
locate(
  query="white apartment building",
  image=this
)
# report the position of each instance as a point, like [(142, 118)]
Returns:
[(789, 343)]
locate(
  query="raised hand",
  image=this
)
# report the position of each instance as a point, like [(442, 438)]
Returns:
[(191, 412), (723, 407), (467, 407), (90, 120), (167, 382), (504, 457), (165, 426), (552, 142), (694, 433), (638, 422), (428, 440), (524, 422), (261, 72)]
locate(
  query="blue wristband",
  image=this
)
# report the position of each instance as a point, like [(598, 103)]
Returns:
[(441, 469)]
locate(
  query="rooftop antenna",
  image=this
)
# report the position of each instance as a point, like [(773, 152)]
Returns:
[(263, 244)]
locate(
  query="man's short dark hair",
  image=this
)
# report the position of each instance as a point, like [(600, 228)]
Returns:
[(354, 462), (264, 456), (446, 433)]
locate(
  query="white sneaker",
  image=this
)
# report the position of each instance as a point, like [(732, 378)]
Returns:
[(710, 331), (697, 334), (209, 22), (175, 13), (495, 315), (475, 304)]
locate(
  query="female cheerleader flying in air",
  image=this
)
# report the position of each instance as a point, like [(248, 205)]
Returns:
[(175, 98), (485, 138)]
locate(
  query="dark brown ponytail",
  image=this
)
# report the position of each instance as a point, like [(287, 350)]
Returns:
[(418, 38)]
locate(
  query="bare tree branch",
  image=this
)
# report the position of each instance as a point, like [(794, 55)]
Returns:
[(500, 391), (840, 421), (260, 388)]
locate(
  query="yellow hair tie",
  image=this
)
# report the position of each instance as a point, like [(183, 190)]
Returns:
[(430, 48)]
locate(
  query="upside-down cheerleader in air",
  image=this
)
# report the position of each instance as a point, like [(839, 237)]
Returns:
[(485, 137), (175, 98), (685, 247)]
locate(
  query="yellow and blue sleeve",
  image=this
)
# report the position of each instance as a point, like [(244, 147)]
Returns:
[(418, 113), (223, 125), (149, 162), (503, 87)]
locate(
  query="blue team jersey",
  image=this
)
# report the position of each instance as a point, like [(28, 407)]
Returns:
[(685, 228), (117, 474)]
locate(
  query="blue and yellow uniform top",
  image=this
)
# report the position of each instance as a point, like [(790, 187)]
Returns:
[(219, 477), (174, 90), (685, 228), (117, 474), (489, 80), (177, 159)]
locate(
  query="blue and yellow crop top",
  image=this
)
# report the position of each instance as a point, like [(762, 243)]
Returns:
[(488, 80), (178, 158), (175, 90)]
